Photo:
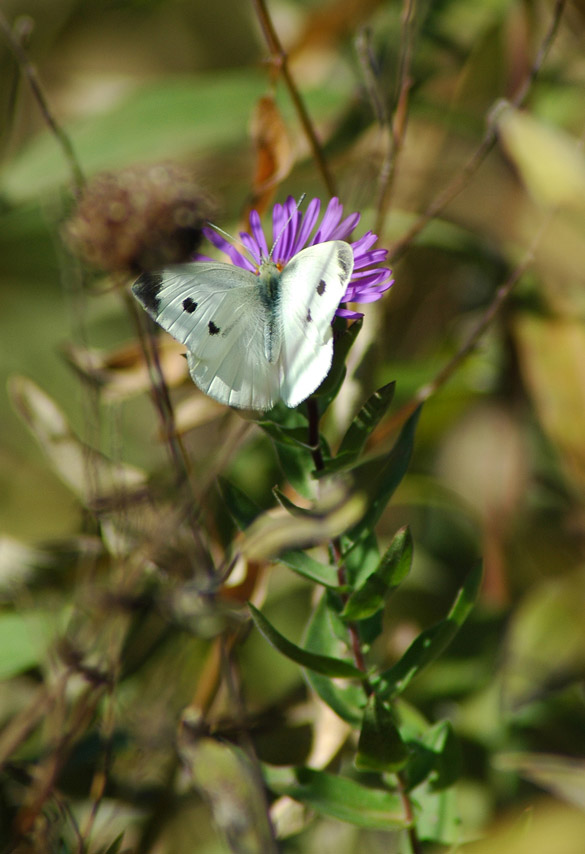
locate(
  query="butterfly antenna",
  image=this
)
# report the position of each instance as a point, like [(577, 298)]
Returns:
[(285, 226), (234, 241)]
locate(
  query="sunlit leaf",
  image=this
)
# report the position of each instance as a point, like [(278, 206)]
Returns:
[(431, 642), (361, 427), (551, 353), (340, 798), (324, 664), (272, 532), (380, 477), (549, 160), (308, 567), (323, 636), (87, 472), (395, 565)]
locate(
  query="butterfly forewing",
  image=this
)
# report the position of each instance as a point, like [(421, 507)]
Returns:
[(313, 284), (215, 310)]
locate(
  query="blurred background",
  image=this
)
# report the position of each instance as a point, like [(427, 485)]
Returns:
[(499, 465)]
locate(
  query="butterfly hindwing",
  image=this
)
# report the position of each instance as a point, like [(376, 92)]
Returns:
[(313, 284)]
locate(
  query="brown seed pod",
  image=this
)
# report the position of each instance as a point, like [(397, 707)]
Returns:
[(139, 219)]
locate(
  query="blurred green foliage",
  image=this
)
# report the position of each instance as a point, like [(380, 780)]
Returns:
[(104, 640)]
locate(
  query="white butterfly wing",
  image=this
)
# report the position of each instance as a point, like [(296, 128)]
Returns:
[(215, 310), (313, 284)]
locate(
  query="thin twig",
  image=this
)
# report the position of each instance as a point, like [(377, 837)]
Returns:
[(164, 408), (487, 143), (280, 60), (500, 297), (30, 72), (394, 127)]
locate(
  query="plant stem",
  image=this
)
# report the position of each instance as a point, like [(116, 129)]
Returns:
[(487, 143), (280, 61)]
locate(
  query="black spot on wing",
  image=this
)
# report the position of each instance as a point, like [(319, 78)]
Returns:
[(213, 329), (189, 305), (321, 287), (309, 318), (147, 289)]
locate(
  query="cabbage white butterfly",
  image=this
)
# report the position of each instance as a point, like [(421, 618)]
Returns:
[(253, 340)]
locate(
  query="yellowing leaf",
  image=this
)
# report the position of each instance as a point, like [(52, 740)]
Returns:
[(549, 160), (552, 359), (87, 472)]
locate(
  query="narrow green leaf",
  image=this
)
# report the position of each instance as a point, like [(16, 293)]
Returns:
[(290, 506), (338, 797), (431, 642), (361, 556), (380, 746), (297, 465), (324, 664), (434, 757), (436, 816), (309, 568), (395, 565), (379, 478), (361, 427), (297, 437), (323, 637), (242, 509)]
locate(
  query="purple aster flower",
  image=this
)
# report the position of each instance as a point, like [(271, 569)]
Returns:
[(292, 232)]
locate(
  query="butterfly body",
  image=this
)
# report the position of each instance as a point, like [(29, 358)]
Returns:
[(253, 339)]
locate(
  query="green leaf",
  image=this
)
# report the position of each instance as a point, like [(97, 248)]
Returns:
[(323, 637), (309, 568), (436, 816), (175, 118), (361, 556), (395, 565), (380, 746), (338, 797), (379, 477), (296, 437), (241, 508), (324, 664), (21, 643), (361, 427), (434, 756), (431, 642), (297, 465), (271, 534)]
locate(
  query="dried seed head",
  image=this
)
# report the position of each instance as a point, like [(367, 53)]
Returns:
[(141, 218)]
